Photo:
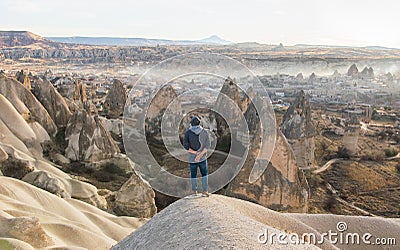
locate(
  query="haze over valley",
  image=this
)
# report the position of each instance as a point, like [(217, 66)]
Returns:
[(304, 137)]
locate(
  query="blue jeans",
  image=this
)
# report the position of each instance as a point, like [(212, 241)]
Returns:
[(204, 175)]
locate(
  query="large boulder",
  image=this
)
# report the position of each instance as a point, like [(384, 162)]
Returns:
[(88, 139), (52, 101), (48, 182), (59, 159), (27, 229), (299, 129), (135, 198), (87, 193), (16, 168), (115, 100)]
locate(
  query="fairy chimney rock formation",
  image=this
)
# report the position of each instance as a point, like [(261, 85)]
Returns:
[(88, 139), (23, 78), (79, 96), (230, 95), (165, 97), (299, 129), (367, 73), (115, 100), (282, 186), (351, 134), (54, 103), (299, 77), (230, 89), (353, 71), (312, 78), (26, 103)]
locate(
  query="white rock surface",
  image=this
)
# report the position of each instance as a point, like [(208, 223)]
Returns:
[(70, 223), (220, 222)]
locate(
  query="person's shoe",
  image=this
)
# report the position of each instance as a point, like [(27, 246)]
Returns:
[(205, 194), (194, 193)]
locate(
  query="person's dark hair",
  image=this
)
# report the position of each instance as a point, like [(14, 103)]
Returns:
[(195, 121)]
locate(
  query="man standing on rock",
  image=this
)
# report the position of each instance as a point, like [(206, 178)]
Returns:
[(197, 142)]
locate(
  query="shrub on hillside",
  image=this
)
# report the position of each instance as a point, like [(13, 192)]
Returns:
[(108, 172), (330, 203), (113, 169), (343, 153), (374, 155), (390, 152)]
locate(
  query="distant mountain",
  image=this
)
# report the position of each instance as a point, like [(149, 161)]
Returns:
[(21, 38), (119, 41), (343, 46), (215, 40)]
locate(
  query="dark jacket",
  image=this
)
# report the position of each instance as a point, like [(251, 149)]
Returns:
[(197, 139)]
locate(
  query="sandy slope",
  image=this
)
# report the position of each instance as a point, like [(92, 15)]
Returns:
[(68, 222), (221, 222)]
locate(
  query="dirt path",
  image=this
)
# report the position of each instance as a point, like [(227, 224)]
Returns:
[(394, 157), (327, 165)]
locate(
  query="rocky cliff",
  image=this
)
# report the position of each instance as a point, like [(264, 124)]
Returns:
[(21, 38)]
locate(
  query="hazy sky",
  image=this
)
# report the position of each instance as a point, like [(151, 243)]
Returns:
[(340, 22)]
